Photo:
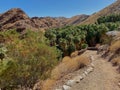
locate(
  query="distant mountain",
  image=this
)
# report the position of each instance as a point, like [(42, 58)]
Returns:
[(49, 22), (111, 9), (17, 19), (75, 20)]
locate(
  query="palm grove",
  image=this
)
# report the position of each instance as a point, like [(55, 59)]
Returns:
[(71, 38)]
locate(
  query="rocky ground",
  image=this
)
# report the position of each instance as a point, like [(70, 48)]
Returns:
[(103, 76)]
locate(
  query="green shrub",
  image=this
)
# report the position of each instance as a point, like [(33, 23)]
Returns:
[(28, 59), (84, 46)]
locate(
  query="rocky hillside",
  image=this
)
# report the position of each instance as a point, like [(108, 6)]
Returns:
[(18, 19), (49, 22), (75, 20), (113, 8)]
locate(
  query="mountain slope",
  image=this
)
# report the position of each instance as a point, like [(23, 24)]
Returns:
[(49, 22), (17, 19), (75, 20), (113, 8)]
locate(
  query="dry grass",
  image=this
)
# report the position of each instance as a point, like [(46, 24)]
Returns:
[(82, 60), (74, 54), (115, 49), (47, 85), (116, 61), (69, 65), (115, 46)]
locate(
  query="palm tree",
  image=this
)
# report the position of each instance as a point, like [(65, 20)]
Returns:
[(77, 41), (50, 34), (63, 45)]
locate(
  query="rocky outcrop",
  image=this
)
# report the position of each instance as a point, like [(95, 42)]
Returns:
[(16, 19)]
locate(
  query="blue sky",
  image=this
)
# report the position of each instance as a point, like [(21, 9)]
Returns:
[(55, 8)]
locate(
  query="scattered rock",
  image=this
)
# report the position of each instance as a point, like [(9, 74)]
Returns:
[(81, 78), (70, 82), (90, 69), (92, 65), (65, 87), (77, 79), (83, 75), (86, 73), (91, 57)]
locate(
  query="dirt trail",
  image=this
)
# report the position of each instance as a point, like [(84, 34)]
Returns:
[(104, 76)]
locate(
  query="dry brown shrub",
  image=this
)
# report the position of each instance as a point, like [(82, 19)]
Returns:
[(116, 61), (82, 60), (115, 46), (69, 65), (48, 84), (63, 69), (74, 54), (66, 59)]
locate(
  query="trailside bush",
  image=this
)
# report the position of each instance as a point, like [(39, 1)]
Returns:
[(28, 60), (84, 46)]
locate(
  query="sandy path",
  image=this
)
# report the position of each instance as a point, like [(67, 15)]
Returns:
[(104, 76)]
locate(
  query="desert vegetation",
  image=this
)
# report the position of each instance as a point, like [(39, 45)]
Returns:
[(25, 59), (72, 38), (115, 49), (109, 18)]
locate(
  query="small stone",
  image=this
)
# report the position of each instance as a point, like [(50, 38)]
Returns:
[(92, 65), (119, 84), (81, 78), (86, 73), (83, 75), (91, 57), (90, 69), (70, 82), (77, 80), (65, 87), (58, 89)]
